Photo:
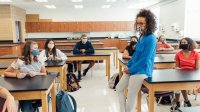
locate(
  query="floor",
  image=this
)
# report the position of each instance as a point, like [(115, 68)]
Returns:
[(96, 96)]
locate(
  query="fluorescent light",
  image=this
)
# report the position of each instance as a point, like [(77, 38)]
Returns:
[(50, 6), (5, 1), (78, 6), (41, 0), (130, 7), (77, 0), (106, 6), (111, 0)]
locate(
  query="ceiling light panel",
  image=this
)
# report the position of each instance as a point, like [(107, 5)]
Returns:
[(111, 0), (77, 0), (78, 6), (50, 6), (41, 0), (5, 1), (106, 6)]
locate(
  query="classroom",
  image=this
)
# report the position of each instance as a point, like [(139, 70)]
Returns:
[(99, 56)]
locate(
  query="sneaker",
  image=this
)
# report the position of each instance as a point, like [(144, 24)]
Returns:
[(79, 77), (85, 72), (176, 107), (187, 104)]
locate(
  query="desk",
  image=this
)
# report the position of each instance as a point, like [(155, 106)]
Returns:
[(58, 66), (169, 80), (37, 87), (71, 45), (95, 56), (113, 50), (190, 109), (51, 66), (159, 62), (172, 51)]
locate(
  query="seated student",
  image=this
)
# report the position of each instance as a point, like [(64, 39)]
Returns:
[(163, 45), (27, 66), (84, 46), (187, 59), (9, 104), (51, 53), (130, 49)]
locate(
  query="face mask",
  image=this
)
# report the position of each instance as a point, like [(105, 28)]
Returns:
[(50, 46), (184, 46), (35, 52), (133, 43), (140, 28), (162, 40), (84, 41)]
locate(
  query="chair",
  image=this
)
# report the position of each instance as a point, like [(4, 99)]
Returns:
[(159, 94)]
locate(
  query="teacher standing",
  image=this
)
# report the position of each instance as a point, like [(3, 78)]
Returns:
[(141, 63)]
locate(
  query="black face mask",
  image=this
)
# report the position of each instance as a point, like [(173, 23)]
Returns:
[(133, 43), (184, 46)]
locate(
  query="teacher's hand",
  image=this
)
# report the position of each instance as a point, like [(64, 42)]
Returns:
[(126, 71)]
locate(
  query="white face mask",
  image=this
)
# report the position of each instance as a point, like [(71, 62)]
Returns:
[(51, 46), (84, 40)]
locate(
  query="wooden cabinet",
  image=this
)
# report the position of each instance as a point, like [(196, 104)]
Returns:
[(9, 49), (79, 26)]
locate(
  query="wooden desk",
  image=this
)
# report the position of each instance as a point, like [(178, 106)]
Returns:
[(159, 62), (51, 66), (61, 67), (113, 50), (168, 80), (34, 88), (95, 56), (71, 45)]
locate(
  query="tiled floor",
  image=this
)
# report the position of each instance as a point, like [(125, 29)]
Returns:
[(96, 96)]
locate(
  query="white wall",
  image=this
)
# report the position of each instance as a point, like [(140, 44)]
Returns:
[(192, 22), (86, 14), (121, 34), (172, 13)]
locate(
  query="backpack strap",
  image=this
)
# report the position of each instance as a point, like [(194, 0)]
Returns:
[(74, 102)]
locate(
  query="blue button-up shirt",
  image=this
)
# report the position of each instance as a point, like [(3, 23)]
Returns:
[(142, 61)]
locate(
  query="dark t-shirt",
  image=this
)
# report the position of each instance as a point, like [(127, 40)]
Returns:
[(130, 50)]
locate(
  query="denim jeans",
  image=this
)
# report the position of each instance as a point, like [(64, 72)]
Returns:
[(31, 105)]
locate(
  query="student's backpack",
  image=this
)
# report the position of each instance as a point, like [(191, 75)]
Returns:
[(164, 101), (113, 81), (65, 102), (72, 82)]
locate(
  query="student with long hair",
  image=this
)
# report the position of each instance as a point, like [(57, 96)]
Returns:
[(163, 45), (28, 65), (186, 59), (50, 52), (130, 49)]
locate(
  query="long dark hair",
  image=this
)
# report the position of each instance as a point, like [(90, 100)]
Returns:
[(191, 43), (150, 20), (47, 50), (27, 52)]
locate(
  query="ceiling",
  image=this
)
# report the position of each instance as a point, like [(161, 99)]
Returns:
[(88, 4)]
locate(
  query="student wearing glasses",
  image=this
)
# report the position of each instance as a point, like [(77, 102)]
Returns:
[(141, 64), (83, 47), (186, 59)]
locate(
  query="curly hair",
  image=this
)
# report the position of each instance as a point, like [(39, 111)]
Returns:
[(191, 44), (150, 20)]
